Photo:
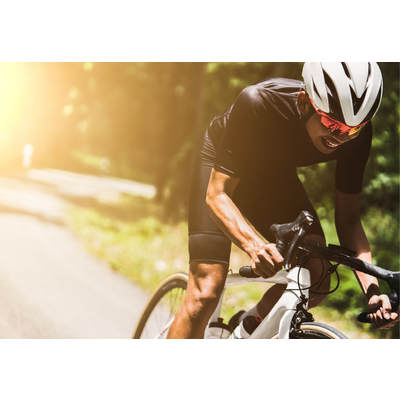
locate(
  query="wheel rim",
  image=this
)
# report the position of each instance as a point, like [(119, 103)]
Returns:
[(163, 313)]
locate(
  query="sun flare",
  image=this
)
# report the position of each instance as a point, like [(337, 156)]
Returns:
[(13, 91)]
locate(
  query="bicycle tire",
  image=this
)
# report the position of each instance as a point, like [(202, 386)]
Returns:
[(316, 330), (161, 308)]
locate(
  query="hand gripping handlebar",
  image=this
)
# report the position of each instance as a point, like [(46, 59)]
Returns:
[(290, 234)]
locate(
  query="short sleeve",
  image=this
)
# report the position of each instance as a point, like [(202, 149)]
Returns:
[(350, 168), (244, 126)]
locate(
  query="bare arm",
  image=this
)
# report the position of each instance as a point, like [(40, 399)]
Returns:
[(265, 259), (351, 235)]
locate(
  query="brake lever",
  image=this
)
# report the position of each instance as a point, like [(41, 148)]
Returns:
[(294, 244), (292, 234)]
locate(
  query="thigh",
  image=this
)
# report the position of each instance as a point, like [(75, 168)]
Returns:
[(275, 199), (207, 280), (207, 243)]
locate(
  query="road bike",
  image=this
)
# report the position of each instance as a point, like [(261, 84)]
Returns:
[(289, 318)]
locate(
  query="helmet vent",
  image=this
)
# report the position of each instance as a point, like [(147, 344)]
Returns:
[(334, 104), (315, 89), (357, 102), (346, 70)]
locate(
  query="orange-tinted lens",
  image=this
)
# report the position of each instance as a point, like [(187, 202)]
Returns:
[(339, 127), (332, 124), (356, 129)]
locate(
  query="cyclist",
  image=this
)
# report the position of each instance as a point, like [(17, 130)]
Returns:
[(245, 179)]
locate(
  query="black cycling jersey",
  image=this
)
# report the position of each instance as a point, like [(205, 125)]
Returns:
[(262, 139), (263, 130)]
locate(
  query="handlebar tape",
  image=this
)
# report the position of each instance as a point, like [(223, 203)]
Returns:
[(364, 318), (247, 272)]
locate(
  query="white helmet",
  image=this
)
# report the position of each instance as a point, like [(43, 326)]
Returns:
[(348, 92)]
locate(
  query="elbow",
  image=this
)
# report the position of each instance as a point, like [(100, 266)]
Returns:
[(209, 201), (213, 201), (220, 189)]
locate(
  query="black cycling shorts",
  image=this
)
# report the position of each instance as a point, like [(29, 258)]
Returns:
[(263, 201)]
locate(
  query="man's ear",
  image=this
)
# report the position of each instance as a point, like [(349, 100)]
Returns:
[(303, 103)]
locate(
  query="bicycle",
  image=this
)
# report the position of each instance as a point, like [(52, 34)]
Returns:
[(289, 318)]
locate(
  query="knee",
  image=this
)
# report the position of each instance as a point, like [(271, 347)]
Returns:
[(204, 292), (319, 291), (316, 300), (206, 295)]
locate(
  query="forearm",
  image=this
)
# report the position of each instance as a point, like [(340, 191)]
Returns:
[(231, 221), (266, 261), (352, 236)]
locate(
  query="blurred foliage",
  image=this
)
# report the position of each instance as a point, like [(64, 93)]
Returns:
[(133, 237), (147, 120)]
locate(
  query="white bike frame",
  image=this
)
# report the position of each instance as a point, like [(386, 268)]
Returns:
[(280, 317)]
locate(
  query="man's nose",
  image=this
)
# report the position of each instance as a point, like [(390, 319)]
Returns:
[(342, 138)]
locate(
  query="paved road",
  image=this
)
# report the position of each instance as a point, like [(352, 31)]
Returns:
[(50, 287)]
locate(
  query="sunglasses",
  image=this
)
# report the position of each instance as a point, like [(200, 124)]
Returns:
[(336, 126)]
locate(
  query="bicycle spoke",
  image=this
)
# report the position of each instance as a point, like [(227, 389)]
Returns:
[(163, 308)]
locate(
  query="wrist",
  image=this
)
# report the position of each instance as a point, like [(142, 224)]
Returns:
[(369, 285), (252, 247), (373, 290)]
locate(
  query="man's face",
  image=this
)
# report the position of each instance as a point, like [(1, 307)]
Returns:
[(323, 138)]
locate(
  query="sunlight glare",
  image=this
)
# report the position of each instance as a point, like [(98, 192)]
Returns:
[(13, 82)]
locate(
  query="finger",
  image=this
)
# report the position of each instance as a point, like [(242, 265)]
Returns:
[(379, 322), (257, 268), (266, 263), (382, 317), (261, 273), (275, 255), (385, 313), (386, 307), (395, 316), (373, 319), (376, 319), (269, 269)]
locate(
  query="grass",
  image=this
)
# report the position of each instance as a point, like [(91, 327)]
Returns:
[(131, 235), (128, 234)]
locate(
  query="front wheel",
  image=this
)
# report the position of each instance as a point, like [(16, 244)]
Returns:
[(162, 307), (316, 330)]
